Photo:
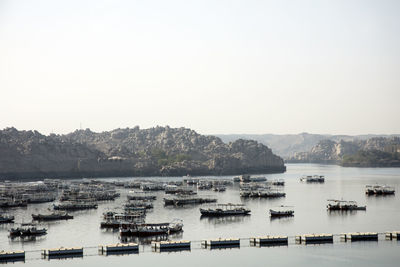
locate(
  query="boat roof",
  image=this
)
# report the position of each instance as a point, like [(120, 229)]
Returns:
[(342, 201)]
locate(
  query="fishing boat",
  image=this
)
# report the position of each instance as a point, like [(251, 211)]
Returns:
[(282, 211), (204, 185), (27, 231), (270, 194), (247, 178), (245, 193), (184, 200), (6, 219), (138, 195), (10, 203), (379, 190), (116, 220), (344, 205), (313, 178), (140, 230), (175, 226), (139, 203), (278, 182), (219, 188), (75, 206), (151, 229), (225, 210), (52, 216)]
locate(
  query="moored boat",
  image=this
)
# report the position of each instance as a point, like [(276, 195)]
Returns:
[(344, 205), (75, 206), (313, 178), (282, 211), (225, 210), (6, 219), (52, 217), (27, 231)]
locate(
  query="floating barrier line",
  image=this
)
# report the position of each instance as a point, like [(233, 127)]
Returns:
[(147, 248), (199, 241)]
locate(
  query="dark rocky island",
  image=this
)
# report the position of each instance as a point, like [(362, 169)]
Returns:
[(159, 151), (373, 152)]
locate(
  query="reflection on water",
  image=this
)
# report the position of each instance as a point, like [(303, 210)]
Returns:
[(282, 219), (26, 239), (225, 219), (143, 240), (343, 213)]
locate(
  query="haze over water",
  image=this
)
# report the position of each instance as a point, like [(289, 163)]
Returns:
[(311, 216)]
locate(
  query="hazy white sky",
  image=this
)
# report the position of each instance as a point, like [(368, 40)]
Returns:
[(213, 66)]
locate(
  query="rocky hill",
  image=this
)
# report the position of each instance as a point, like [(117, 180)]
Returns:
[(130, 152), (373, 152), (286, 145)]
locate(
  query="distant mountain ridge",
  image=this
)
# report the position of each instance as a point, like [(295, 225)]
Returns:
[(373, 152), (130, 152), (287, 145)]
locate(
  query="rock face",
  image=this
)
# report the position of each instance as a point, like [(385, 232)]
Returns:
[(130, 152), (373, 152)]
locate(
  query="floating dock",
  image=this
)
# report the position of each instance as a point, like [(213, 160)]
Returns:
[(220, 242), (119, 248), (314, 238), (12, 255), (359, 236), (269, 240), (170, 245), (59, 252), (393, 235)]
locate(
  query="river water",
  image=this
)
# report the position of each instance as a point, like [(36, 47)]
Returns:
[(311, 216)]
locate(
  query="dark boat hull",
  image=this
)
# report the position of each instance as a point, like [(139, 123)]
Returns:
[(223, 213), (51, 217), (143, 233)]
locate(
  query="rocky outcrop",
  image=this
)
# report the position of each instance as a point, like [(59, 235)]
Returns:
[(129, 152), (374, 152)]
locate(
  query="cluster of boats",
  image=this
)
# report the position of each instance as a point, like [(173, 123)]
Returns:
[(130, 218), (21, 194)]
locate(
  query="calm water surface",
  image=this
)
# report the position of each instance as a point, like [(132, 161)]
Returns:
[(311, 216)]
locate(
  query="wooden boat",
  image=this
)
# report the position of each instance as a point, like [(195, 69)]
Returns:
[(313, 179), (379, 190), (225, 210), (179, 201), (175, 226), (140, 230), (52, 217), (13, 203), (282, 211), (6, 219), (219, 188), (344, 205), (75, 206), (151, 229), (29, 231), (137, 195)]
